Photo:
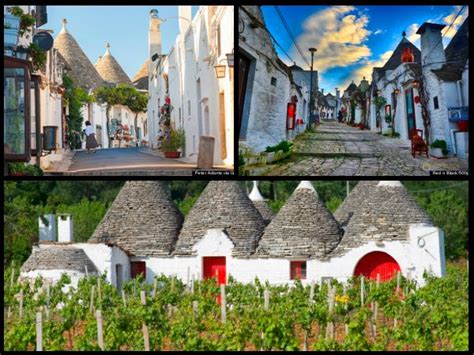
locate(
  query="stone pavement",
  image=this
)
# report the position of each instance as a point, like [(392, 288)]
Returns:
[(125, 162), (336, 149)]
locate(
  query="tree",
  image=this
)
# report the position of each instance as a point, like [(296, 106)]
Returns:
[(110, 96), (75, 98), (136, 101)]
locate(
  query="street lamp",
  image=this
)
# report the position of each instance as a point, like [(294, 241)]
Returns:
[(312, 50)]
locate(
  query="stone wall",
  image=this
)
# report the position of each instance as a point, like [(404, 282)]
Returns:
[(267, 95)]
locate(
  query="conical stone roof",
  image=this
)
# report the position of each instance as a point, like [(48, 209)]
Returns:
[(142, 220), (110, 70), (260, 203), (222, 205), (140, 80), (302, 228), (353, 200), (82, 71), (383, 212), (58, 257)]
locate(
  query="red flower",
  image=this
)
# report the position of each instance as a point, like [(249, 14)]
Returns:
[(167, 100)]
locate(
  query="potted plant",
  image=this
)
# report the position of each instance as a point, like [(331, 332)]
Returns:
[(438, 148), (173, 143), (26, 20), (38, 57), (10, 30)]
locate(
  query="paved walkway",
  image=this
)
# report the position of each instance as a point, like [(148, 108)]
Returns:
[(337, 149)]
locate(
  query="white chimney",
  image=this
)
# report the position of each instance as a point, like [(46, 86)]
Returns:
[(432, 50), (65, 232), (154, 34), (184, 18), (47, 228)]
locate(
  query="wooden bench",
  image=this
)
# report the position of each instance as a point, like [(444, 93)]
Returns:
[(417, 143)]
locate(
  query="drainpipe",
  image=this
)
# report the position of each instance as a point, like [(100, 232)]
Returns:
[(453, 139), (458, 86)]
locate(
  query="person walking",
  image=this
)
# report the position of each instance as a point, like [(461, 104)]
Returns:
[(339, 116), (91, 142)]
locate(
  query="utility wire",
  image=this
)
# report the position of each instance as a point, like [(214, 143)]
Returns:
[(452, 23), (260, 24), (285, 24)]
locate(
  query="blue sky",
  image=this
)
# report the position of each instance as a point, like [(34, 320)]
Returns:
[(352, 39), (124, 27)]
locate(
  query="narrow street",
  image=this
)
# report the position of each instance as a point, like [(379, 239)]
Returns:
[(337, 149), (124, 161)]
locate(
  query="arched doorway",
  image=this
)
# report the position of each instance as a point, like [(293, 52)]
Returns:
[(377, 262)]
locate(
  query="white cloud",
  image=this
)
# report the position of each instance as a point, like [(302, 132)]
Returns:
[(365, 70), (449, 32), (378, 32), (337, 34), (411, 33)]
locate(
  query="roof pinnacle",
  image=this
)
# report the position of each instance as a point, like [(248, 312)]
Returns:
[(107, 49), (64, 29), (255, 195)]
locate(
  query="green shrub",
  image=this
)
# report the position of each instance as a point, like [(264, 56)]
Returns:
[(284, 145), (440, 143)]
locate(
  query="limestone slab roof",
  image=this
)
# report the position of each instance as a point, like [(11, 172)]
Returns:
[(110, 70), (82, 71), (302, 228), (396, 58), (222, 205), (260, 203), (353, 200), (140, 80), (143, 220), (457, 53), (381, 212), (58, 257)]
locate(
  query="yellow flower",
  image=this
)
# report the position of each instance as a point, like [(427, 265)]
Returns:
[(342, 299)]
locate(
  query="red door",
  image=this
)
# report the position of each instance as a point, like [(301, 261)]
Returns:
[(138, 267), (375, 263), (215, 266)]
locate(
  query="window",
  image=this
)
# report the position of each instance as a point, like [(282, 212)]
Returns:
[(189, 107), (435, 102), (273, 81), (16, 118), (298, 270), (138, 267)]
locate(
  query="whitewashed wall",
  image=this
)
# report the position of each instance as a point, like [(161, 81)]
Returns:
[(54, 276)]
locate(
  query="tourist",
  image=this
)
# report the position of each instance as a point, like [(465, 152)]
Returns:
[(91, 142), (339, 116)]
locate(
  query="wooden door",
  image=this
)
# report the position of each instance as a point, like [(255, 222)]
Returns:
[(377, 262), (410, 110), (214, 266), (138, 267)]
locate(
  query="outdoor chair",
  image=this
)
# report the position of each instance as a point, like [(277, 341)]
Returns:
[(417, 143)]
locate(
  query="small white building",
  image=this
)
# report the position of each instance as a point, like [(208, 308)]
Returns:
[(379, 229), (443, 72)]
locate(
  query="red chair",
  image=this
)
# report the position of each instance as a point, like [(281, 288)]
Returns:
[(417, 143)]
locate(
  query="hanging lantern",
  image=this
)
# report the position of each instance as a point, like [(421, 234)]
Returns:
[(407, 56), (290, 116)]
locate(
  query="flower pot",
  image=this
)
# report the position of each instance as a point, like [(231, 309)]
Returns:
[(11, 22), (437, 153), (10, 37), (463, 125), (172, 155)]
